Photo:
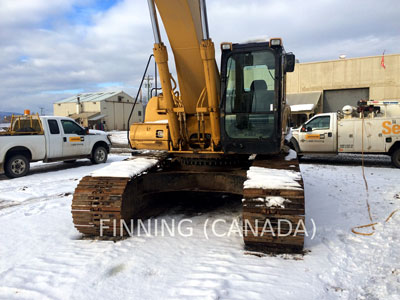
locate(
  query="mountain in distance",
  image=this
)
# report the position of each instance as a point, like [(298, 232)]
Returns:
[(4, 114)]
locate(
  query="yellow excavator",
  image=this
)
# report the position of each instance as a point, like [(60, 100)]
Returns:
[(218, 131)]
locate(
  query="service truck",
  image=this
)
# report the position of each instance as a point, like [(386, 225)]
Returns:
[(373, 128), (33, 138)]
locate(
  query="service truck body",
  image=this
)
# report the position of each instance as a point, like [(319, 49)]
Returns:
[(333, 133), (60, 139)]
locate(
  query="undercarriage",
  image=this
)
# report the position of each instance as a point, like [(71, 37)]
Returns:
[(271, 188)]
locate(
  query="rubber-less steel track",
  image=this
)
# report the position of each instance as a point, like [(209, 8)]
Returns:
[(100, 203), (96, 199), (269, 228)]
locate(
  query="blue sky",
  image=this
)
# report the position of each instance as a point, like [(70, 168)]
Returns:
[(81, 13), (53, 49)]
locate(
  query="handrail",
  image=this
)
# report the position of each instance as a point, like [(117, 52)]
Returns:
[(137, 96)]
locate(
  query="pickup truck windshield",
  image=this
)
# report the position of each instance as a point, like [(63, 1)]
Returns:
[(250, 95)]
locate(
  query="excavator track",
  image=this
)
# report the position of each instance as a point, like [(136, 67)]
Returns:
[(274, 209), (96, 199), (100, 203)]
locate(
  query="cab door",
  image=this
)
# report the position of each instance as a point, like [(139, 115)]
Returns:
[(74, 139), (317, 135), (54, 140)]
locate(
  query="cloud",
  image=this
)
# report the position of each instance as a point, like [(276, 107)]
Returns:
[(87, 45)]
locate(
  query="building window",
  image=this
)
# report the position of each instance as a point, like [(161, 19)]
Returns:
[(139, 113), (120, 98), (59, 104)]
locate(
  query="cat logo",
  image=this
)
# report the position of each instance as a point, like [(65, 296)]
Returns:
[(75, 139)]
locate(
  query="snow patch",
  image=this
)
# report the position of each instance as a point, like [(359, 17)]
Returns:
[(263, 178), (119, 138), (274, 201), (97, 132), (126, 169), (289, 135), (292, 155), (301, 107), (41, 263)]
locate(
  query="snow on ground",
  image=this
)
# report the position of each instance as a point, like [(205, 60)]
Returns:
[(39, 185), (43, 256)]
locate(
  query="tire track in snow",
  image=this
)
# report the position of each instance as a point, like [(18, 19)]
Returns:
[(361, 267), (229, 275), (52, 275)]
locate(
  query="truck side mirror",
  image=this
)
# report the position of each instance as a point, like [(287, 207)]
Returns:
[(303, 129), (309, 129), (290, 62), (86, 130)]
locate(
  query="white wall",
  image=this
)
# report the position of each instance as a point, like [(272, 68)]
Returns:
[(117, 112)]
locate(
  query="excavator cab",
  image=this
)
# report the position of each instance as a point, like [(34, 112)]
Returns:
[(252, 96)]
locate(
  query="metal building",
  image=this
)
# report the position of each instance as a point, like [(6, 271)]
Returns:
[(101, 110), (344, 81)]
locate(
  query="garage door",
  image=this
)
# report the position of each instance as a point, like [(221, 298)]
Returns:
[(334, 100)]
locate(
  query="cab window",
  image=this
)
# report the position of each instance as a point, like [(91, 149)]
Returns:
[(317, 123), (53, 127), (70, 127), (250, 95)]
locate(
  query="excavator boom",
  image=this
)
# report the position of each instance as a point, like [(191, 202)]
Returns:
[(182, 22)]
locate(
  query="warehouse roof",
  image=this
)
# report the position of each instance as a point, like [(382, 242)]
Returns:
[(84, 115), (90, 97)]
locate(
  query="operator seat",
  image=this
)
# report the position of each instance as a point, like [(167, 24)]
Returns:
[(262, 98)]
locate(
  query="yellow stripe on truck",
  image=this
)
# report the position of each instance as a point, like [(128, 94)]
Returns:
[(75, 139), (313, 136)]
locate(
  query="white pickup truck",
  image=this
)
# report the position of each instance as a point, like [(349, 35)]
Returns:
[(378, 132), (48, 139)]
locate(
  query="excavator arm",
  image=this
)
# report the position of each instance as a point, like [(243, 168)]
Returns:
[(185, 22)]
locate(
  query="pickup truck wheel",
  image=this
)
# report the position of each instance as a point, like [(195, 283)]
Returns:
[(16, 166), (396, 158), (99, 155), (295, 146)]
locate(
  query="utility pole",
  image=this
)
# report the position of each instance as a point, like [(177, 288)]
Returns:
[(148, 84)]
